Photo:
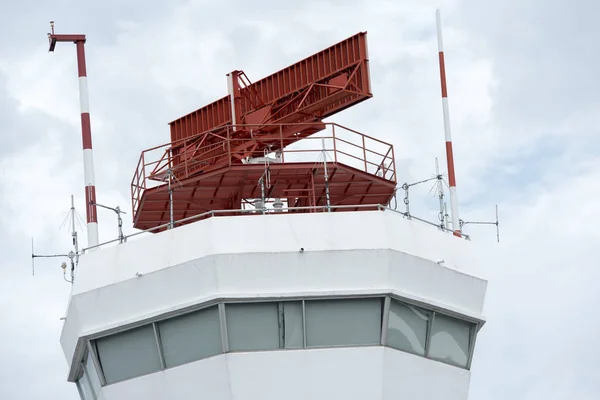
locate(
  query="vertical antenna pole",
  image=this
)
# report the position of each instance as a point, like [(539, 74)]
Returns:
[(440, 193), (497, 225), (86, 131), (73, 216), (120, 224), (32, 259), (446, 214), (88, 159), (449, 153), (73, 231)]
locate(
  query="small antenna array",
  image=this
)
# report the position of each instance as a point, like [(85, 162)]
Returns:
[(497, 223), (73, 255), (443, 216)]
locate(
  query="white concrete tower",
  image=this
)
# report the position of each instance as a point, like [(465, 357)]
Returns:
[(329, 295)]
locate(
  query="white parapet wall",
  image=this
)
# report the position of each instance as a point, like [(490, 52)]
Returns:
[(276, 256), (375, 373)]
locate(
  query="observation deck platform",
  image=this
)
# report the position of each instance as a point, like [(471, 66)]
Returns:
[(360, 170)]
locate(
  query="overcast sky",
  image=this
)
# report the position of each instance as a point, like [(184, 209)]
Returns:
[(525, 119)]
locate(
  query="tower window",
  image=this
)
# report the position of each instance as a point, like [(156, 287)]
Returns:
[(450, 340), (343, 322), (190, 337), (129, 354), (408, 327)]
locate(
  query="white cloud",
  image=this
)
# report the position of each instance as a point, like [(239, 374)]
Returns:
[(541, 295)]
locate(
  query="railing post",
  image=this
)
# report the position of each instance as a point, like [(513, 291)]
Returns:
[(185, 160), (135, 178), (394, 164), (281, 141), (334, 147), (144, 171), (228, 146), (364, 152)]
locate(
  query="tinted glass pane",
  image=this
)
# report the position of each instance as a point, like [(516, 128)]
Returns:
[(92, 374), (343, 322), (190, 337), (252, 326), (450, 339), (407, 328), (292, 314), (128, 354)]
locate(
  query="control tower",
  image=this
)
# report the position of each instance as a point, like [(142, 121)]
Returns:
[(271, 266)]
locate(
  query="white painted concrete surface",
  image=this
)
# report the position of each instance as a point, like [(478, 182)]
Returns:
[(350, 253), (346, 373), (278, 233)]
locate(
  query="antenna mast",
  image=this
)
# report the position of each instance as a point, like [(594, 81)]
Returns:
[(440, 190), (86, 131), (449, 154), (73, 231)]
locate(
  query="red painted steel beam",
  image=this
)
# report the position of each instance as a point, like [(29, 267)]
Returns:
[(54, 38), (197, 194), (335, 67), (208, 145), (306, 92)]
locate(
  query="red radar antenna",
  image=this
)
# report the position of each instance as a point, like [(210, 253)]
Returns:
[(86, 130), (267, 142)]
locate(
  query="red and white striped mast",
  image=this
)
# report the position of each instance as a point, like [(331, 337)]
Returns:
[(86, 131), (449, 154)]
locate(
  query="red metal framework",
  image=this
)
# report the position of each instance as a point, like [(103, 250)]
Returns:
[(304, 94), (220, 156), (361, 170)]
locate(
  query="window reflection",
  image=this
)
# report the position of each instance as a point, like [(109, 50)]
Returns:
[(265, 326)]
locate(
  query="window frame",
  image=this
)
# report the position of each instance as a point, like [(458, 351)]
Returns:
[(386, 299)]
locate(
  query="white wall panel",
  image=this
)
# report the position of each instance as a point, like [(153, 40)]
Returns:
[(273, 233), (236, 257), (374, 373)]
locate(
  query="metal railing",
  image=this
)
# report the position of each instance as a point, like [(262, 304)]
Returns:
[(225, 146), (283, 211)]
